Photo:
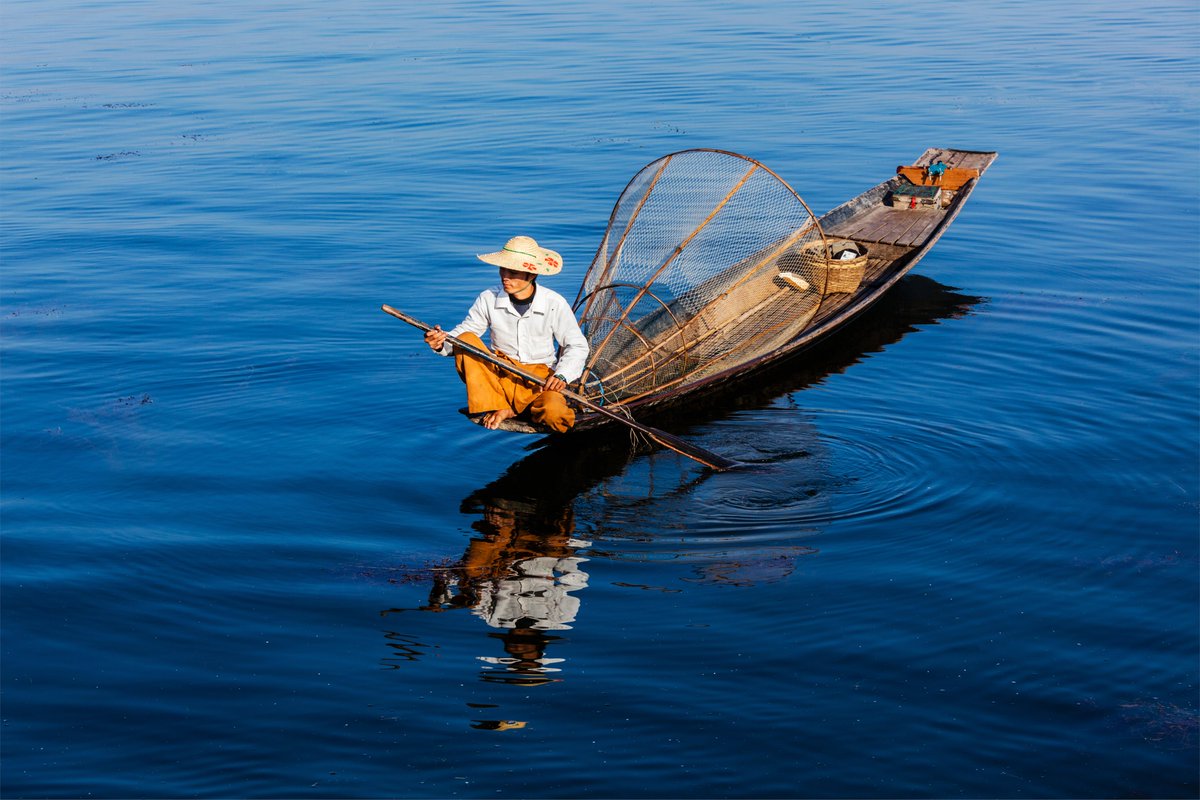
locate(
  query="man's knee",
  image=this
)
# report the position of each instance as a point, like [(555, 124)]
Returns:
[(464, 361), (551, 409), (472, 339)]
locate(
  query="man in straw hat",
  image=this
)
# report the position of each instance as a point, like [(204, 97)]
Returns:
[(524, 321)]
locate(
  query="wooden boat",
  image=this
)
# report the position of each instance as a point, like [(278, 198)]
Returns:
[(712, 268)]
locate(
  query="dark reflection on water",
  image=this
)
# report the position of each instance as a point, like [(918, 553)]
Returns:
[(523, 572), (520, 575)]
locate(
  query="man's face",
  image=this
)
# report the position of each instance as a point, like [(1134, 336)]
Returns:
[(516, 282)]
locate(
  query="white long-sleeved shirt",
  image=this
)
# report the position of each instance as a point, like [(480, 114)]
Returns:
[(530, 338)]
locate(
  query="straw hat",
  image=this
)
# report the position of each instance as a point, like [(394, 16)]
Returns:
[(524, 255)]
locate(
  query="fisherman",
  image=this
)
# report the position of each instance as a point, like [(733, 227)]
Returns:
[(524, 321)]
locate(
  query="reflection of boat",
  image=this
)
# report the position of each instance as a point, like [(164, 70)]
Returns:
[(712, 267)]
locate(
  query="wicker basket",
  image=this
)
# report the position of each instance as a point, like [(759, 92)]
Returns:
[(840, 276)]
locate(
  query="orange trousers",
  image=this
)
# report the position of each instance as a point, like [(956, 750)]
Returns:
[(490, 388)]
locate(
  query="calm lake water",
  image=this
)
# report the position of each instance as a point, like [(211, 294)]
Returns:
[(250, 548)]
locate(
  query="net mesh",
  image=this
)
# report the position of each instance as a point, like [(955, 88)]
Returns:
[(709, 261)]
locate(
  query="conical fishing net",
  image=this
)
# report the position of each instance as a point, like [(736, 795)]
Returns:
[(710, 261)]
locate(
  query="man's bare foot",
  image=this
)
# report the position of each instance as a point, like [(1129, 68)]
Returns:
[(494, 418)]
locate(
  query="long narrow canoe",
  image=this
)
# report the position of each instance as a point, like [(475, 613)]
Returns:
[(712, 267)]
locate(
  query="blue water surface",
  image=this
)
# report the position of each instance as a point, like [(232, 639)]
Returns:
[(250, 549)]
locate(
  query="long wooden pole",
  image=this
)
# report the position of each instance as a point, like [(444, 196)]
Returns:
[(708, 459)]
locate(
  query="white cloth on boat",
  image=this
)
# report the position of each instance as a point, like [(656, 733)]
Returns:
[(528, 338)]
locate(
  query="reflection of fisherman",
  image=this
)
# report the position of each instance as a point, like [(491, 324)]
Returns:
[(518, 578), (524, 321), (525, 662)]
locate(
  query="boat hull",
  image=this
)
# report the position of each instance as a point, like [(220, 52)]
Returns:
[(896, 238)]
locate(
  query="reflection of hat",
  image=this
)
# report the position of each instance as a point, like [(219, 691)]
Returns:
[(523, 254)]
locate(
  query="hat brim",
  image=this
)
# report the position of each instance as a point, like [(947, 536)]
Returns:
[(539, 262)]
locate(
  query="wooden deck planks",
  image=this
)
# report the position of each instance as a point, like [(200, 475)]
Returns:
[(963, 159), (899, 226), (864, 227), (921, 228)]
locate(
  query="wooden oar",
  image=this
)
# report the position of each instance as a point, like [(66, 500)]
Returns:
[(711, 460)]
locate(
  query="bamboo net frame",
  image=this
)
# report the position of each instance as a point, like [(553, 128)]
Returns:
[(710, 260)]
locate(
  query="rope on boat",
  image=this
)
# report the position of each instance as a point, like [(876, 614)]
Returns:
[(637, 439)]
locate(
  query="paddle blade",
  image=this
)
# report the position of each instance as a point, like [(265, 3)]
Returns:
[(705, 457)]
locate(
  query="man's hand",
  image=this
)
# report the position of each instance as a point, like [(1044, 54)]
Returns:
[(554, 384), (436, 338)]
